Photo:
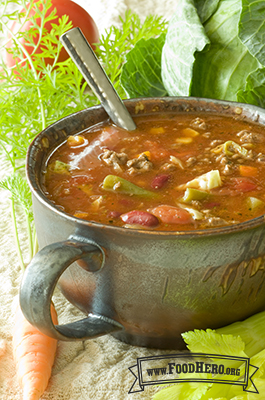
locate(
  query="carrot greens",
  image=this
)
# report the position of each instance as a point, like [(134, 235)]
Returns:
[(35, 94)]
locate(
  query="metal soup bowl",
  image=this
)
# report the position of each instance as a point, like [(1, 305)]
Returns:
[(144, 287)]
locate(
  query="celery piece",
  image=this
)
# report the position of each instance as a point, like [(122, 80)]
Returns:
[(194, 194), (251, 331), (253, 203), (207, 181), (61, 167), (116, 184), (196, 215), (231, 148)]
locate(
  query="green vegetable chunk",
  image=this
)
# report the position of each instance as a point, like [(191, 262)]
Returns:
[(194, 194), (253, 203), (60, 167), (231, 148), (120, 185)]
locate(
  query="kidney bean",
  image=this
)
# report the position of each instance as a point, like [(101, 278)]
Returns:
[(159, 181), (142, 218)]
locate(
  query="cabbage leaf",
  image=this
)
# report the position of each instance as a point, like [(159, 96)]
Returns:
[(222, 70), (186, 35), (213, 49), (141, 74)]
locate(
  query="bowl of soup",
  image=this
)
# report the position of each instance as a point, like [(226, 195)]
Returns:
[(153, 232)]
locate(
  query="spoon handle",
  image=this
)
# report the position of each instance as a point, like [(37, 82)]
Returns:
[(88, 64)]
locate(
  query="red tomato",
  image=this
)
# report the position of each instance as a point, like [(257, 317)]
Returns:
[(77, 15), (244, 184)]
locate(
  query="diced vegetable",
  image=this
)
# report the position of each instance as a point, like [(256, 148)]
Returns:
[(190, 132), (171, 215), (253, 203), (60, 167), (244, 184), (96, 203), (120, 185), (157, 130), (176, 161), (246, 170), (207, 181), (146, 153), (184, 140), (80, 214), (195, 214), (231, 148), (194, 194), (76, 140)]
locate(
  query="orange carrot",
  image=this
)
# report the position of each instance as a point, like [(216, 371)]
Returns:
[(247, 170), (34, 355)]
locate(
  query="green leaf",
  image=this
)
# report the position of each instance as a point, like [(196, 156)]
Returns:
[(185, 36), (252, 28), (141, 74), (117, 42), (254, 92), (20, 192), (222, 70), (210, 342), (206, 8)]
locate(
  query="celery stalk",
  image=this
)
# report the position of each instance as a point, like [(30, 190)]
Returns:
[(251, 331)]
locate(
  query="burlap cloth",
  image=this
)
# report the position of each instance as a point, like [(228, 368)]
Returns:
[(93, 369)]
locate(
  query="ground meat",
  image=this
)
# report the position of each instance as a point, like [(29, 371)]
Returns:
[(250, 137), (198, 123), (139, 164), (215, 221), (191, 161), (114, 159), (168, 167), (260, 157)]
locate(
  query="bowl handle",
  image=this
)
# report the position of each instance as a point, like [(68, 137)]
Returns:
[(38, 284)]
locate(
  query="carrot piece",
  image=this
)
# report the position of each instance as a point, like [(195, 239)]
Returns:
[(247, 170), (34, 355)]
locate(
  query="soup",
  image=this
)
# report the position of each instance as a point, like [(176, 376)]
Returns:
[(174, 172)]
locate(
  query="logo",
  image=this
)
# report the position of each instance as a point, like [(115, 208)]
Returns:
[(193, 367)]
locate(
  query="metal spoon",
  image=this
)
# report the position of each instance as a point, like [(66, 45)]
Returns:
[(88, 64)]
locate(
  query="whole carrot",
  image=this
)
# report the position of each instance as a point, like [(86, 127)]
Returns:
[(34, 355)]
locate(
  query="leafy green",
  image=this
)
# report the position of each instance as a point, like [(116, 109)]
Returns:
[(35, 94), (240, 339), (211, 342), (117, 43), (206, 8), (252, 28), (185, 36), (213, 49), (222, 70), (21, 198), (254, 91), (142, 71)]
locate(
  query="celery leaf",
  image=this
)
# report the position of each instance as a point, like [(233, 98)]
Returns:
[(210, 342)]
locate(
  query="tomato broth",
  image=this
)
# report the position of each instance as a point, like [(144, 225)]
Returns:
[(174, 172)]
